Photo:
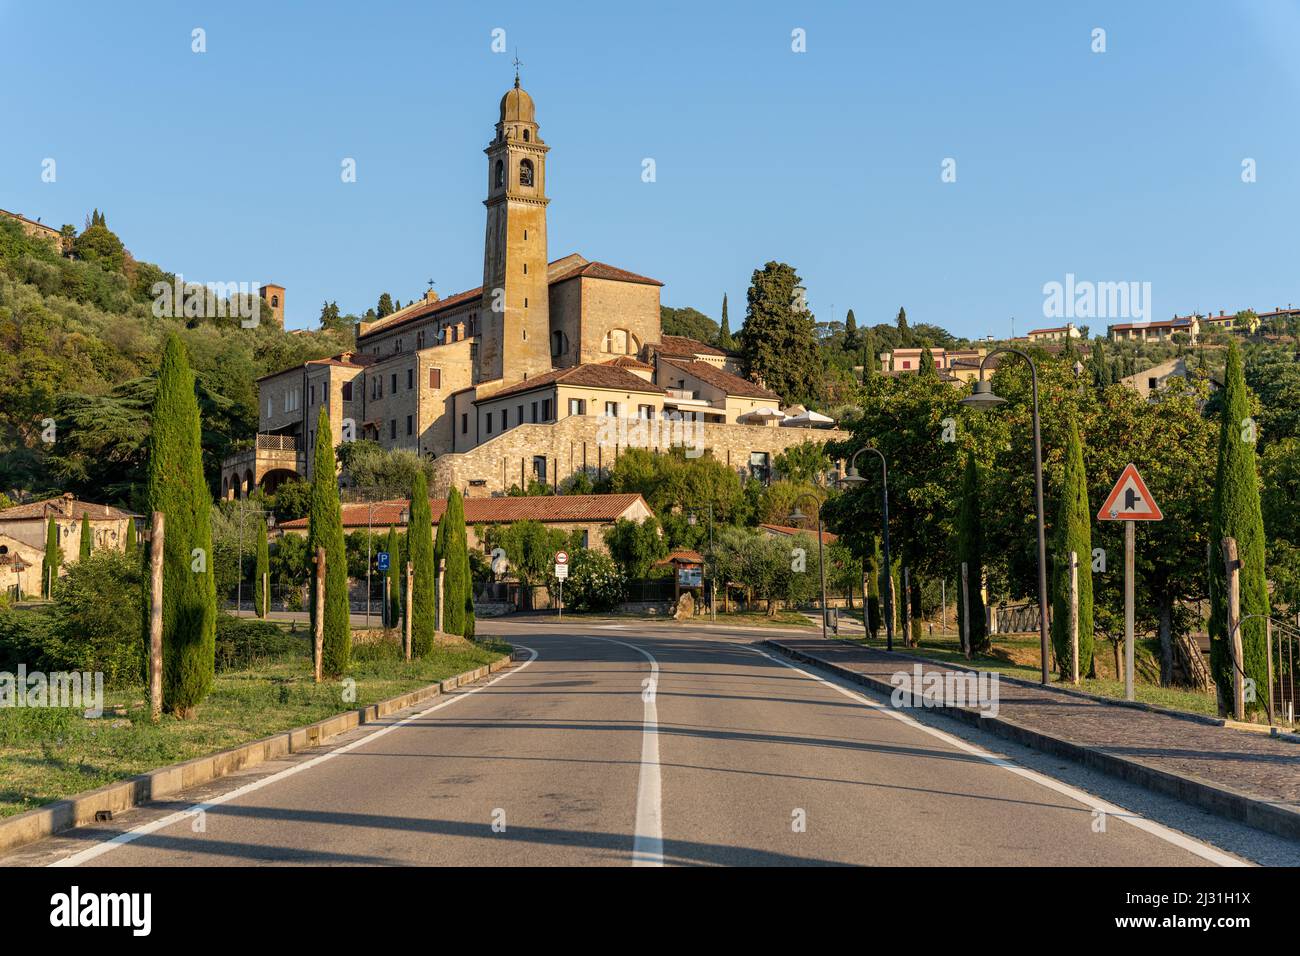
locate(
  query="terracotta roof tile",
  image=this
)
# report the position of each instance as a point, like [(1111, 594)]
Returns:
[(680, 345), (546, 508), (731, 384), (63, 507), (592, 376)]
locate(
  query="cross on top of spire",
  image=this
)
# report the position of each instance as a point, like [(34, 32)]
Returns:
[(518, 64)]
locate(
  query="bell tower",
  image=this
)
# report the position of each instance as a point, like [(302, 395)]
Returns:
[(515, 329)]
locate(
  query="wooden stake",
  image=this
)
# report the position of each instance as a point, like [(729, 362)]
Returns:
[(965, 612), (1233, 568), (156, 541), (318, 624), (437, 596), (410, 600), (1074, 617)]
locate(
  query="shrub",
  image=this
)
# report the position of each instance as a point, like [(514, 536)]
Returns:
[(595, 583), (246, 642)]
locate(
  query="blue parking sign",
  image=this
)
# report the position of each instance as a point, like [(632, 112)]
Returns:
[(381, 560)]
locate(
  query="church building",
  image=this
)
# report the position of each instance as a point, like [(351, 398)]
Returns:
[(550, 367)]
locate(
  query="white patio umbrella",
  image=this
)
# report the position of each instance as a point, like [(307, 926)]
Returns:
[(808, 419), (765, 414)]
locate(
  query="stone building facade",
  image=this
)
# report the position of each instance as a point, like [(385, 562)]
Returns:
[(505, 365)]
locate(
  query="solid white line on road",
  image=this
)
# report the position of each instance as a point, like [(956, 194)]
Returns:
[(1195, 847), (648, 841), (130, 836)]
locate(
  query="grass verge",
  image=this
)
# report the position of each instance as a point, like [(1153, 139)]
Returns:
[(48, 754)]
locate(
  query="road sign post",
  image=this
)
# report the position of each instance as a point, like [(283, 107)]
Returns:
[(561, 572), (1129, 501)]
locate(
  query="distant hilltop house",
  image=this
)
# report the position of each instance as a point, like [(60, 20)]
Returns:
[(520, 378), (37, 229), (1067, 331), (1242, 322), (1150, 380), (953, 365), (589, 515), (23, 529)]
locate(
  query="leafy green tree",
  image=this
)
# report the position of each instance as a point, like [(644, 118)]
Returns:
[(177, 488), (100, 246), (325, 530), (53, 558), (292, 500), (634, 546), (804, 462), (530, 548), (394, 575), (1235, 513), (87, 538), (688, 322), (96, 618), (261, 570), (1072, 531), (970, 550), (595, 582), (424, 564), (452, 547), (778, 345)]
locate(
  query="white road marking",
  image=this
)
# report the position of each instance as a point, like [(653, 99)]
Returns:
[(1182, 841), (648, 841), (122, 839)]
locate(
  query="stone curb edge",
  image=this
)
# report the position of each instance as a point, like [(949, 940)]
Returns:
[(81, 808), (1280, 819)]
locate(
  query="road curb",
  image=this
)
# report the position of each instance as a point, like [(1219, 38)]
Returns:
[(80, 809), (1280, 819)]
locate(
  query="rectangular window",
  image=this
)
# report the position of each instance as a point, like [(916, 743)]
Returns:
[(488, 423), (464, 423), (268, 406), (392, 429), (759, 466), (577, 406), (611, 409), (539, 468), (435, 378), (534, 411), (907, 364), (505, 423), (347, 391), (410, 425), (410, 379), (519, 418), (646, 412), (392, 384), (546, 409), (311, 396)]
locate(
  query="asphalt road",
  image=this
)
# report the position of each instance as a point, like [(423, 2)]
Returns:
[(649, 744)]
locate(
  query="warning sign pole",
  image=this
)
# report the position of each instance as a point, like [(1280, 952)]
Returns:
[(1130, 502), (1129, 535)]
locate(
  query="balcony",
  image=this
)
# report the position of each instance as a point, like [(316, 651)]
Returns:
[(262, 463)]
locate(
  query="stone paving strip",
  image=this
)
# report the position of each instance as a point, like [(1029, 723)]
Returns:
[(1250, 777)]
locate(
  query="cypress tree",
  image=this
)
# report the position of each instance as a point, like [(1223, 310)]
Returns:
[(177, 487), (970, 549), (325, 529), (927, 369), (870, 362), (725, 341), (395, 570), (420, 542), (87, 539), (850, 332), (131, 544), (1072, 532), (451, 547), (53, 558), (261, 567), (1235, 513)]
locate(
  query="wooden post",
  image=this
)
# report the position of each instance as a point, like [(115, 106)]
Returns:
[(387, 603), (1129, 535), (965, 613), (410, 599), (437, 596), (266, 594), (318, 624), (943, 606), (156, 542), (1233, 568), (1074, 617), (907, 606)]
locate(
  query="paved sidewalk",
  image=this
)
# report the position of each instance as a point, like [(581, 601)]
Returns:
[(1246, 775)]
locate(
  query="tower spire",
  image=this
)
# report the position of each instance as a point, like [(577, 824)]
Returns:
[(518, 64)]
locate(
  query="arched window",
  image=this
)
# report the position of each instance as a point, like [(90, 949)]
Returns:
[(501, 174), (526, 172), (616, 341), (525, 136), (275, 301), (559, 343)]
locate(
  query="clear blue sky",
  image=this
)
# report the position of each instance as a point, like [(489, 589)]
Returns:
[(1117, 166)]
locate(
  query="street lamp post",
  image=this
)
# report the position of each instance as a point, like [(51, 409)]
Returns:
[(853, 478), (982, 396), (798, 515), (713, 609)]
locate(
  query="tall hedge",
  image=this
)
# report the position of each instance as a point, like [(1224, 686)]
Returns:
[(325, 529), (129, 548), (420, 538), (1072, 531), (53, 558), (87, 538), (970, 549), (451, 547), (1235, 513), (177, 488), (260, 569), (394, 576)]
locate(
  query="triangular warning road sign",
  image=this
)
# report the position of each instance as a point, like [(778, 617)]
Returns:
[(1129, 500)]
